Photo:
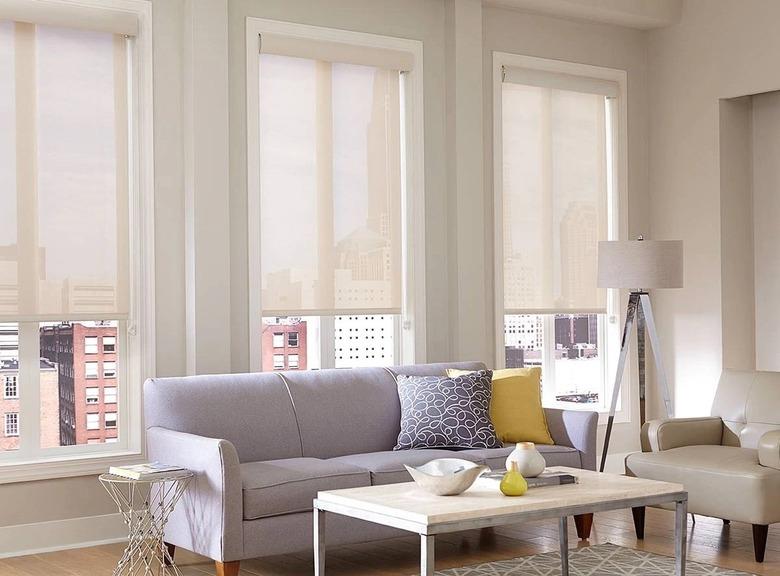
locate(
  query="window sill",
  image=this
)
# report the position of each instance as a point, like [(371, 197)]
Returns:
[(65, 467)]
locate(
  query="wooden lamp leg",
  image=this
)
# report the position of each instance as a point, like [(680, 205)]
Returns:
[(227, 568)]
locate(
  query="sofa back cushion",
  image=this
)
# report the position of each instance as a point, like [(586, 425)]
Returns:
[(350, 411), (748, 402), (253, 411)]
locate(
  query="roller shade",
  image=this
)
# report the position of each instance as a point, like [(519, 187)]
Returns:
[(561, 81), (554, 196), (64, 177), (330, 187), (336, 52), (67, 15)]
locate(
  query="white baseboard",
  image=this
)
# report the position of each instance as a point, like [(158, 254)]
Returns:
[(41, 537)]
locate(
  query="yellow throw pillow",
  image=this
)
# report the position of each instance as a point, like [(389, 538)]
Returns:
[(516, 405)]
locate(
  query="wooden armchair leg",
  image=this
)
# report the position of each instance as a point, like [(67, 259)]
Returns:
[(227, 568), (584, 523), (639, 521), (760, 532)]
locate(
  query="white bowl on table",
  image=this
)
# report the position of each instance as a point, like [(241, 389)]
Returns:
[(447, 476)]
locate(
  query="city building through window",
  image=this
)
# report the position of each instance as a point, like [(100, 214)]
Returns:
[(93, 421), (11, 387), (93, 395), (11, 424), (90, 345)]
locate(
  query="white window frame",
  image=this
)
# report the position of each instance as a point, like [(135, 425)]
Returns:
[(412, 324), (110, 398), (290, 362), (615, 316), (136, 337), (275, 364), (7, 423), (115, 419), (95, 395), (107, 373), (277, 343), (93, 348), (15, 379), (106, 344), (95, 419)]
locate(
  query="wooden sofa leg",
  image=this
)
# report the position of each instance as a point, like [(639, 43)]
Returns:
[(171, 548), (583, 522), (227, 568), (639, 521), (760, 532)]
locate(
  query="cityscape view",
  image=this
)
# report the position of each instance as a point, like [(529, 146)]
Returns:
[(78, 384)]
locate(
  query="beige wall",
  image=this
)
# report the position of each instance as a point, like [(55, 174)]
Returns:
[(719, 49)]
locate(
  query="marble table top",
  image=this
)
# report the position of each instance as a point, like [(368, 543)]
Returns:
[(409, 503)]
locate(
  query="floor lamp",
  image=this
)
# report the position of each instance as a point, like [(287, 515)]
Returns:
[(629, 265)]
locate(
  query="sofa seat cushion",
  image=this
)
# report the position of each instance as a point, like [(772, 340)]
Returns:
[(286, 486), (722, 481), (553, 455), (388, 467)]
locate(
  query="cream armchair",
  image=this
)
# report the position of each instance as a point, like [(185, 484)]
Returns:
[(729, 462)]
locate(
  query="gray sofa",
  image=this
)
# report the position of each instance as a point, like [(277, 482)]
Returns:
[(262, 445)]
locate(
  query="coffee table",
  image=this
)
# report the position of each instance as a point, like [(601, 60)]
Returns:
[(407, 507)]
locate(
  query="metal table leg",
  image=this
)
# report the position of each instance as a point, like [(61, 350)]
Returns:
[(319, 542), (426, 555), (563, 537), (680, 536)]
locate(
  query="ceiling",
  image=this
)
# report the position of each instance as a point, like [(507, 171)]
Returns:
[(642, 14)]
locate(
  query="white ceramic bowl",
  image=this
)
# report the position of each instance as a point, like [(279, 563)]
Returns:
[(447, 476)]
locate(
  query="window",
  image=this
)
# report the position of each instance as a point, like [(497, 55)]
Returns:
[(91, 370), (90, 345), (109, 344), (110, 419), (93, 395), (109, 395), (557, 137), (336, 147), (109, 369), (75, 171), (292, 361), (278, 341), (11, 424), (93, 421), (278, 362), (11, 388)]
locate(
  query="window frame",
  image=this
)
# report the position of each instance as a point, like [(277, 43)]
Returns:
[(7, 417), (413, 322), (87, 395), (15, 379), (615, 315), (96, 345), (136, 336)]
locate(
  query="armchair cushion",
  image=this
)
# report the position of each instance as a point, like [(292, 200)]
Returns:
[(286, 486), (722, 481), (769, 450), (660, 435)]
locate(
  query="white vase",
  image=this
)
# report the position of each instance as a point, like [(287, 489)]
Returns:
[(529, 462)]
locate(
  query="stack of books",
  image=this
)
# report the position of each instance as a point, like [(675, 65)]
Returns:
[(544, 479), (148, 471)]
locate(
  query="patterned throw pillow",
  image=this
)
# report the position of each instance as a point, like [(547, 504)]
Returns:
[(446, 412)]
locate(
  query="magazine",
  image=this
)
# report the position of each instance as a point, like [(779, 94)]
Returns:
[(144, 471), (544, 479)]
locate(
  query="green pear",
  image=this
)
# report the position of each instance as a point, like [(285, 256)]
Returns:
[(513, 483)]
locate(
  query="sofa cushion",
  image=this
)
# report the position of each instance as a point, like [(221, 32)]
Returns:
[(446, 412), (722, 481), (388, 467), (553, 455), (285, 486)]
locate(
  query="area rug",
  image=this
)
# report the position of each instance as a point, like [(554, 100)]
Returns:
[(599, 560)]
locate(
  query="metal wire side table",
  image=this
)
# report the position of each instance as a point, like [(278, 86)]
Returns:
[(145, 506)]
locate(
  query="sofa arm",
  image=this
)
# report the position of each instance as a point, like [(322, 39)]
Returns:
[(769, 450), (658, 435), (576, 429), (208, 518)]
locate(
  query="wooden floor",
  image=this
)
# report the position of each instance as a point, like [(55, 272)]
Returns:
[(709, 541)]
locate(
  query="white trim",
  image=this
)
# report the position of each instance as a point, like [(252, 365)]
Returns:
[(413, 188), (620, 200), (54, 535), (136, 346)]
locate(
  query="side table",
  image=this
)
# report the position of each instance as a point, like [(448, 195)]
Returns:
[(145, 506)]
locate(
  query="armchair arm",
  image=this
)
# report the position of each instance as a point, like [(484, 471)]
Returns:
[(208, 519), (769, 450), (576, 429), (658, 435)]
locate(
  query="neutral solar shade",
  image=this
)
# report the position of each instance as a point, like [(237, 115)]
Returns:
[(641, 264), (554, 198), (330, 186), (63, 173)]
